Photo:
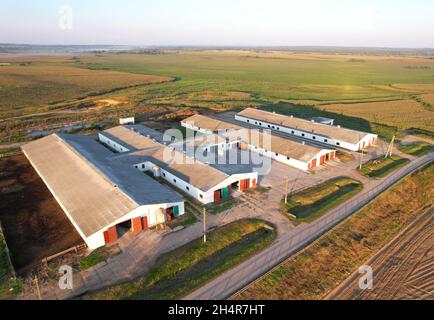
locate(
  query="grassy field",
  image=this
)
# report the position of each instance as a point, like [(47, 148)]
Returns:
[(28, 89), (317, 270), (381, 167), (179, 272), (417, 149), (309, 204), (402, 114), (382, 94)]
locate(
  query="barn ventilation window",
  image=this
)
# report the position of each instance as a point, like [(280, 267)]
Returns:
[(188, 188), (248, 120), (277, 154), (338, 143), (292, 132), (302, 134), (288, 158), (164, 174), (174, 180), (314, 138), (201, 196), (325, 140), (143, 166)]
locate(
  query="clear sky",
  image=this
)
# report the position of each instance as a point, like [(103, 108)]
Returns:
[(381, 23)]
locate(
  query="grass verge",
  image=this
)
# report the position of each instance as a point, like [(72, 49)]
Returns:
[(381, 167), (311, 203), (185, 220), (9, 286), (226, 204), (417, 149), (97, 256), (181, 271), (318, 269)]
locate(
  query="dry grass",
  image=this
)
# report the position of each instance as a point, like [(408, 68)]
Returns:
[(424, 87), (27, 88), (403, 114), (428, 98), (323, 265), (273, 54)]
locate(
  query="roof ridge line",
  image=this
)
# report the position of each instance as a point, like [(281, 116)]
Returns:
[(102, 174)]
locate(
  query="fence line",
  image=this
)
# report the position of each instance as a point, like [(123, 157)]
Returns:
[(283, 249), (11, 266)]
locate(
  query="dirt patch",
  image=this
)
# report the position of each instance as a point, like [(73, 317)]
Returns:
[(34, 224), (403, 270)]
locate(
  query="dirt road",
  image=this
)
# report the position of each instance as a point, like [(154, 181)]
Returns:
[(403, 269)]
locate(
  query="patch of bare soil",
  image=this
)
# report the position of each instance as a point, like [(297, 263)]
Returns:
[(403, 270), (34, 224)]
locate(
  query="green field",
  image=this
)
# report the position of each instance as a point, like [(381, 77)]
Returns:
[(381, 167), (179, 272), (311, 203), (269, 78), (417, 149), (380, 94)]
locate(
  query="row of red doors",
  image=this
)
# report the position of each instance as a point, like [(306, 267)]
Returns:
[(137, 225)]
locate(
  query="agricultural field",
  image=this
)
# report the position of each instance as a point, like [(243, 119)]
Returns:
[(401, 114), (179, 272), (395, 280), (317, 270), (32, 88), (381, 94), (417, 149), (307, 205)]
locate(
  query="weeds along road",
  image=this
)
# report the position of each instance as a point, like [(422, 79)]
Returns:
[(251, 270)]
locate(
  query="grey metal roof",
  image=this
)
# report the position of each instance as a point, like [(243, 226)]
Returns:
[(198, 174), (333, 132), (93, 190), (210, 124)]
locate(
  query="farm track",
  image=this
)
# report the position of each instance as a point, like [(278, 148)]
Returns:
[(403, 270)]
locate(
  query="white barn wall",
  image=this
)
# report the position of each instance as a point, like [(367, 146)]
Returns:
[(306, 135), (96, 240), (112, 144)]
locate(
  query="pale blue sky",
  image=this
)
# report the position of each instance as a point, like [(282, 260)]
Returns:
[(384, 23)]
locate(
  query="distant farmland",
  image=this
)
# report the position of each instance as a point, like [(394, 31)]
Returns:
[(402, 114), (359, 91), (28, 88)]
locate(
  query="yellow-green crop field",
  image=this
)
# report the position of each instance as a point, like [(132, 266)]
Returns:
[(364, 92)]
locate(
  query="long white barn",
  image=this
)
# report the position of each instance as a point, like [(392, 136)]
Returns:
[(294, 154), (99, 194), (335, 136), (199, 180)]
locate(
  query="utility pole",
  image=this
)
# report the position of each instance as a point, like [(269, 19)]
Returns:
[(389, 151), (204, 225), (286, 189)]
